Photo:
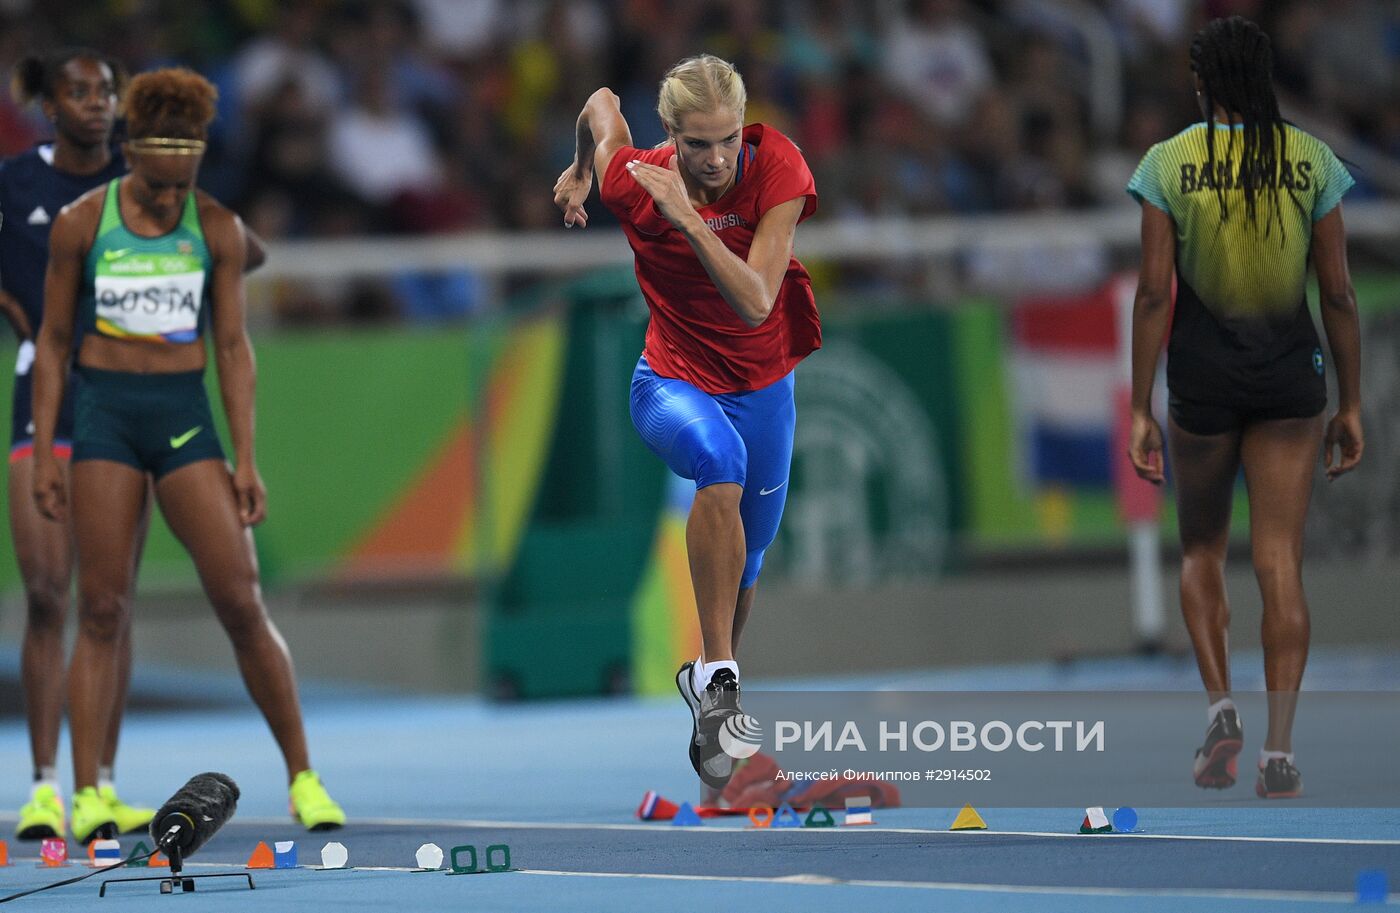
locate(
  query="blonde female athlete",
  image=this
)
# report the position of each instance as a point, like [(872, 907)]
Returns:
[(711, 215)]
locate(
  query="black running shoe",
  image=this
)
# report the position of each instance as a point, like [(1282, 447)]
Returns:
[(719, 703), (1279, 779), (1215, 766)]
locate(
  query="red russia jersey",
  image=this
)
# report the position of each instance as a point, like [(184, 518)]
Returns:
[(694, 335)]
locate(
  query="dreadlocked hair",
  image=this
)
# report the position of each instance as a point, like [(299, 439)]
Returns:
[(1233, 59), (36, 76), (173, 102)]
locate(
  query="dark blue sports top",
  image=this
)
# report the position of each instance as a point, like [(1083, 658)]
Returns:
[(32, 191)]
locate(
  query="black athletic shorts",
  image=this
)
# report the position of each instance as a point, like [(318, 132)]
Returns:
[(1297, 389)]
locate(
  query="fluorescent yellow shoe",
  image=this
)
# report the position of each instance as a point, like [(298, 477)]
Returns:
[(312, 805), (92, 818), (41, 816), (129, 818)]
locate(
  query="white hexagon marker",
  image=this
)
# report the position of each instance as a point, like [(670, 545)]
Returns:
[(334, 856), (429, 856)]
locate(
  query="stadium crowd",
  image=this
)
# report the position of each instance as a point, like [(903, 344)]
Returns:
[(354, 117)]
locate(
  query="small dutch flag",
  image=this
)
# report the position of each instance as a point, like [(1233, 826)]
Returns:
[(858, 810), (106, 853)]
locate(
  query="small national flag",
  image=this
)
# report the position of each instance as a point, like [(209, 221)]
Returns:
[(858, 810), (105, 853), (656, 808)]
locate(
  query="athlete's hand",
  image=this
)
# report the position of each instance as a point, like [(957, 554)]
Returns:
[(1344, 434), (14, 313), (569, 193), (666, 187), (251, 495), (1145, 448), (50, 488)]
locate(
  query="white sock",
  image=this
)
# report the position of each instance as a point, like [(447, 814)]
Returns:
[(1265, 756), (104, 777), (697, 672), (712, 668), (45, 776), (704, 671), (1224, 703)]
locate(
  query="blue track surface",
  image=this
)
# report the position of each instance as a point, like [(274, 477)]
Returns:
[(559, 784)]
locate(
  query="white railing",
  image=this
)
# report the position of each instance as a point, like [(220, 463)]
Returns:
[(552, 253)]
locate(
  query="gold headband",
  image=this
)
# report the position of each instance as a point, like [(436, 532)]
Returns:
[(165, 145)]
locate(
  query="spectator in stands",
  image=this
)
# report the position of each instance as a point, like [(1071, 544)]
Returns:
[(938, 60), (380, 150), (288, 55)]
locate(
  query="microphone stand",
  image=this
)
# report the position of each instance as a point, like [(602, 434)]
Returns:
[(170, 844)]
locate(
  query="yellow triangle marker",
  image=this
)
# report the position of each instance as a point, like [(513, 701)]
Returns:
[(968, 820)]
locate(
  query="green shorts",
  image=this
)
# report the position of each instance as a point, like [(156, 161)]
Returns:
[(155, 423)]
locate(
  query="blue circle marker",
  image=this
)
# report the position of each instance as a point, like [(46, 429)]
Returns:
[(1371, 886), (1125, 820)]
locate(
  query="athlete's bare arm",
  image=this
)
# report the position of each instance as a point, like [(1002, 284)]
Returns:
[(750, 286), (69, 241), (602, 130), (12, 311), (1151, 317), (233, 352), (1338, 298), (254, 251)]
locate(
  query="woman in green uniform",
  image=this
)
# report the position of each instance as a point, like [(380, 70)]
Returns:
[(1234, 209), (137, 270)]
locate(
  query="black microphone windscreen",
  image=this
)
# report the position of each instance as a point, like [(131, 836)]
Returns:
[(199, 808)]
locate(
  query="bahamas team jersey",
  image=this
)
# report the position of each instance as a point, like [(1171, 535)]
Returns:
[(1244, 274), (694, 335), (32, 191), (1241, 325), (154, 289)]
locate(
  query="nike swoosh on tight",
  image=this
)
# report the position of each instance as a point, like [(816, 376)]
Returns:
[(769, 491), (177, 442)]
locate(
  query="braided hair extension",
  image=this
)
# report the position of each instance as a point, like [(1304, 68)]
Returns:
[(1233, 59)]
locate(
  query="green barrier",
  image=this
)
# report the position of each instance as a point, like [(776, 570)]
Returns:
[(558, 622), (876, 488), (387, 454), (335, 444)]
